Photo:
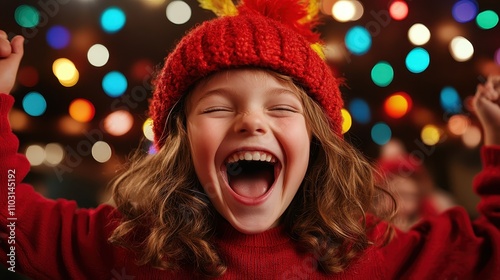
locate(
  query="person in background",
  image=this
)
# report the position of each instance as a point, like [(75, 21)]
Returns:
[(413, 187)]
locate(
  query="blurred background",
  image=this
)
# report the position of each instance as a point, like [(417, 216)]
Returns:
[(410, 69)]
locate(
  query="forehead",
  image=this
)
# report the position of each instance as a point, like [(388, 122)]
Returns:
[(252, 74), (231, 78)]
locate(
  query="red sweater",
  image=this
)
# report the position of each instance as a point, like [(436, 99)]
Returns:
[(56, 240)]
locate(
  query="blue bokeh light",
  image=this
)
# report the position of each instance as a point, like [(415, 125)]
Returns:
[(450, 100), (360, 110), (58, 37), (417, 60), (358, 40), (114, 84), (34, 104), (113, 19), (464, 10)]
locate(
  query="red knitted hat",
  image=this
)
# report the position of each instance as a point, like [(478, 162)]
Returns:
[(268, 34)]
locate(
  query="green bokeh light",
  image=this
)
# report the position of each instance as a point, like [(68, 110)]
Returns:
[(27, 16), (382, 74), (487, 19)]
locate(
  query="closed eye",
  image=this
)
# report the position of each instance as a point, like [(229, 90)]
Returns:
[(215, 109), (285, 108)]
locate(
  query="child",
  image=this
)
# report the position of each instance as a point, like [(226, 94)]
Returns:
[(415, 192), (252, 179)]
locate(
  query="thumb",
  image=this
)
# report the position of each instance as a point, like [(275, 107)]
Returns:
[(17, 44)]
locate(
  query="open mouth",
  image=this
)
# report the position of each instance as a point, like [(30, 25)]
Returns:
[(251, 174)]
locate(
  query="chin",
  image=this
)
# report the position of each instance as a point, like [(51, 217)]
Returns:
[(251, 227)]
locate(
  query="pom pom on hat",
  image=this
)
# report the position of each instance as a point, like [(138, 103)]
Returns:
[(267, 34)]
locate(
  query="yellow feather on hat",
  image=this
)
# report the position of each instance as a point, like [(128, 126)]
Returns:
[(219, 7)]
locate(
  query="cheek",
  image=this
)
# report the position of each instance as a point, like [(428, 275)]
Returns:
[(204, 141), (296, 142)]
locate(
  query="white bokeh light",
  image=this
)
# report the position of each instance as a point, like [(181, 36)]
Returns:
[(419, 34), (178, 12), (98, 55), (461, 49)]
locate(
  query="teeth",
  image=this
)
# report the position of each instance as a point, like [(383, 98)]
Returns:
[(254, 155)]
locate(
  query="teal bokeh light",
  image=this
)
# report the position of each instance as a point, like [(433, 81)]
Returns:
[(27, 16), (487, 19), (382, 74), (381, 133)]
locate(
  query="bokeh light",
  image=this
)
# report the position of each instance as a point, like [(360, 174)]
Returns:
[(472, 137), (461, 49), (147, 129), (118, 123), (178, 12), (347, 120), (358, 40), (360, 111), (487, 19), (72, 82), (34, 104), (152, 149), (101, 151), (458, 124), (142, 69), (430, 135), (113, 19), (154, 3), (28, 76), (69, 126), (81, 110), (347, 10), (35, 154), (497, 56), (398, 10), (54, 154), (27, 16), (417, 60), (450, 100), (114, 84), (65, 71), (381, 133), (98, 55), (58, 37), (419, 34), (464, 10), (382, 74), (19, 120), (397, 105)]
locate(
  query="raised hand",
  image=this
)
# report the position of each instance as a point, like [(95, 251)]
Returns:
[(11, 53), (487, 107)]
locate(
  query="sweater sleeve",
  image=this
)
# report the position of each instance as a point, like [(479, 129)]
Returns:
[(48, 239), (451, 246)]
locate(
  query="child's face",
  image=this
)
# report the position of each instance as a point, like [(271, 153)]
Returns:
[(250, 145)]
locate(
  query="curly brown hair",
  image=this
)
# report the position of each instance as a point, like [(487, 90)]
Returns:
[(161, 199)]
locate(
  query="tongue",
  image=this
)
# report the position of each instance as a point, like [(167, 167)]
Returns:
[(252, 184)]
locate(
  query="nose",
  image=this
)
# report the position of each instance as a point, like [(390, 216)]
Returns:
[(250, 123)]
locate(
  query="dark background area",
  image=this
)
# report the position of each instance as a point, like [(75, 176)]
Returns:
[(148, 36)]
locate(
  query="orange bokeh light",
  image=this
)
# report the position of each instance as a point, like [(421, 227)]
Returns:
[(397, 105), (81, 110)]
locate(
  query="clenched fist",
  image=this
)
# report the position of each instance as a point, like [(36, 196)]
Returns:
[(11, 53)]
